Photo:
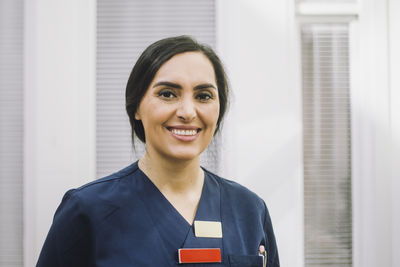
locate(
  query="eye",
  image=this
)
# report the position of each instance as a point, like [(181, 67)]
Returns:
[(167, 94), (204, 96)]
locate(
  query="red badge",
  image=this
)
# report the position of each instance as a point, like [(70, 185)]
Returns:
[(199, 255)]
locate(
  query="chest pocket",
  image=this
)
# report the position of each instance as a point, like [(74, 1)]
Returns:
[(245, 261)]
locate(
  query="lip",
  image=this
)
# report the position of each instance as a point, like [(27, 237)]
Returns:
[(184, 127), (184, 138)]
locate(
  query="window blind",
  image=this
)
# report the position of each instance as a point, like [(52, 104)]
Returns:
[(327, 153), (11, 132), (124, 29)]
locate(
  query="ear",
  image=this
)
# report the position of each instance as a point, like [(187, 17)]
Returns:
[(137, 116)]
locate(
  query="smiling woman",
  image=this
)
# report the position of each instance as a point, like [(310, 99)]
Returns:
[(180, 109), (151, 61), (166, 210)]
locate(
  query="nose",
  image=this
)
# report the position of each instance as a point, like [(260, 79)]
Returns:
[(186, 110)]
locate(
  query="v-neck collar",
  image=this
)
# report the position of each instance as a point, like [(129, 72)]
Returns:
[(164, 201), (173, 228), (171, 225), (209, 209)]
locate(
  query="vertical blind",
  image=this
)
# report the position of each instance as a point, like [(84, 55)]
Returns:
[(124, 29), (327, 153), (11, 132)]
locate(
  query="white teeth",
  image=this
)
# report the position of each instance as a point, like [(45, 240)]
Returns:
[(184, 132)]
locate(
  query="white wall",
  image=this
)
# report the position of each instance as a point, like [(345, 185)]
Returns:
[(257, 40), (59, 109), (375, 102), (394, 56)]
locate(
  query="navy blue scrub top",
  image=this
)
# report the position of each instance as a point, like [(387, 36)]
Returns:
[(124, 220)]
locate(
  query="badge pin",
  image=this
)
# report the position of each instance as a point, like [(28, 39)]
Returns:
[(208, 229), (199, 255)]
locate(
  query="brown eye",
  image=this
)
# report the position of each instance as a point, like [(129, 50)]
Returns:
[(166, 94), (204, 97)]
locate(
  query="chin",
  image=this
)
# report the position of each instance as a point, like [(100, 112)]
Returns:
[(184, 155)]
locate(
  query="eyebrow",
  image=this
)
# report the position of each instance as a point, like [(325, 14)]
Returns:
[(177, 86)]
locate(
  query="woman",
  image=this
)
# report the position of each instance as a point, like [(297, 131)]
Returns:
[(165, 210)]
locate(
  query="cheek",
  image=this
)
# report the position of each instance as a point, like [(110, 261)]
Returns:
[(211, 115), (151, 109), (154, 119), (152, 115)]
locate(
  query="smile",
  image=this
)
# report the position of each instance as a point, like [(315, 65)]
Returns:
[(184, 132)]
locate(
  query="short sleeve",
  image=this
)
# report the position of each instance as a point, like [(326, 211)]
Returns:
[(68, 241), (271, 247)]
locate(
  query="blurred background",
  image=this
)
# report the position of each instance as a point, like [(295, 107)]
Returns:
[(313, 127)]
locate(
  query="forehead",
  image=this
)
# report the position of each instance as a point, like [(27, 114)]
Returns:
[(188, 66)]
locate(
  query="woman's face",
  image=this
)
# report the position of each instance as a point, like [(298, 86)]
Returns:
[(180, 109)]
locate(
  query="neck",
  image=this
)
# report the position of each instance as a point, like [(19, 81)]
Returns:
[(172, 175)]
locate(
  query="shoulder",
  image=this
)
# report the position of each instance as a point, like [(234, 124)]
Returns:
[(106, 188), (99, 198), (109, 180)]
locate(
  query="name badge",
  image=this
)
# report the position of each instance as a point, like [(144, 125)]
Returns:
[(208, 229), (199, 255)]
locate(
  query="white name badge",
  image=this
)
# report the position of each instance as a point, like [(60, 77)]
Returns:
[(209, 229)]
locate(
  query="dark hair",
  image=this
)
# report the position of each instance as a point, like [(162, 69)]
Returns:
[(146, 67)]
